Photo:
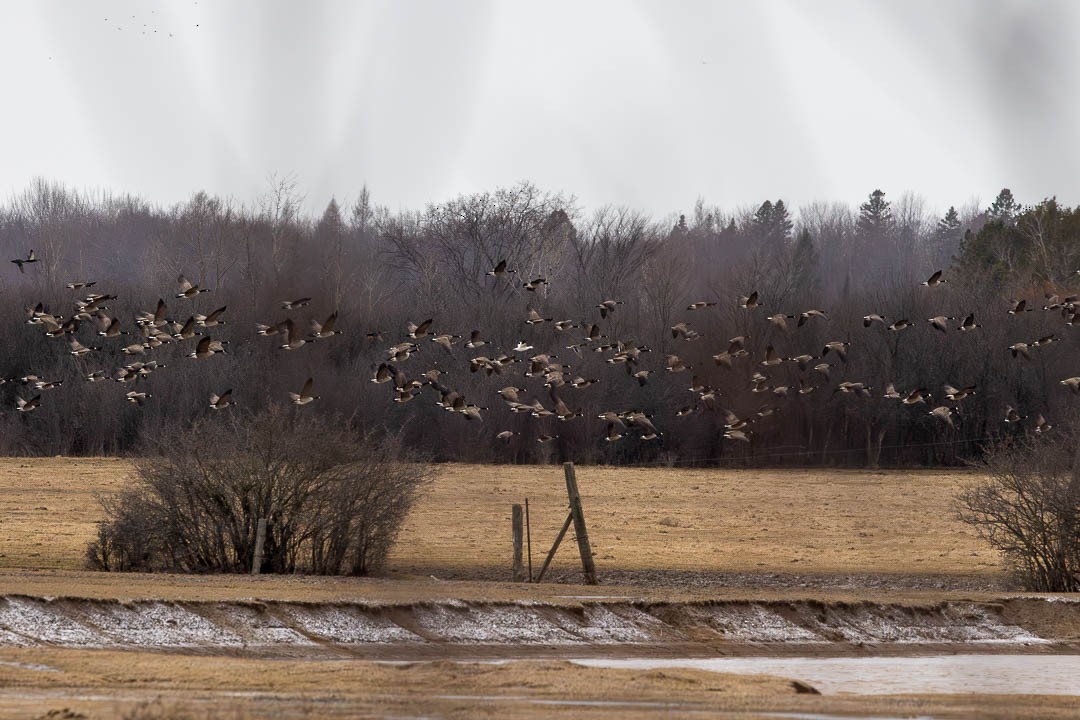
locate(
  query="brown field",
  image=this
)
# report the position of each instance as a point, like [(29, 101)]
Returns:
[(659, 533), (735, 521)]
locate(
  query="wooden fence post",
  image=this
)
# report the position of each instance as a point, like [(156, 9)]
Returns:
[(260, 541), (554, 547), (528, 538), (518, 528), (587, 566)]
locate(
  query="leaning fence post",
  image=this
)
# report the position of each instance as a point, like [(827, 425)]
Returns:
[(519, 532), (587, 566), (260, 541)]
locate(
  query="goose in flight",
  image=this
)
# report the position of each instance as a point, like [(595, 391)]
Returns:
[(222, 401), (304, 396), (804, 317), (30, 258), (418, 331), (187, 290), (211, 320), (749, 301), (939, 322), (500, 269), (701, 305), (24, 405), (608, 306), (943, 413), (872, 318), (934, 280)]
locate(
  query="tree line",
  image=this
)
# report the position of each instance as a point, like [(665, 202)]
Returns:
[(379, 270)]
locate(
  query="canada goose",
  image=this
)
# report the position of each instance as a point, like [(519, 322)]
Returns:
[(187, 290), (538, 410), (802, 360), (679, 329), (639, 419), (823, 368), (1019, 307), (203, 350), (78, 349), (724, 358), (563, 412), (806, 387), (1020, 348), (96, 376), (781, 390), (1041, 425), (211, 320), (500, 269), (686, 410), (505, 435), (135, 397), (872, 318), (522, 346), (642, 376), (916, 396), (418, 331), (900, 325), (268, 330), (472, 412), (701, 305), (613, 433), (305, 396), (107, 326), (562, 325), (80, 285), (30, 258), (222, 401), (592, 333), (580, 382), (857, 388), (608, 306), (384, 373), (48, 384), (445, 341), (534, 318), (402, 351), (475, 341), (187, 331), (374, 336), (404, 395), (1073, 384), (511, 393), (944, 413), (771, 356), (938, 322), (1045, 340), (325, 329), (294, 304), (969, 323), (675, 365), (737, 346), (780, 320), (810, 314), (532, 285), (134, 349), (892, 393), (934, 280), (23, 405), (954, 395), (294, 340), (546, 438), (1012, 416), (696, 385), (749, 301), (838, 347), (740, 435), (759, 383)]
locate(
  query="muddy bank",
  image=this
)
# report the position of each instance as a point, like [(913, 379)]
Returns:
[(455, 628)]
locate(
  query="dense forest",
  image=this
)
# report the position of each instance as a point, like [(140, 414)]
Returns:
[(681, 286)]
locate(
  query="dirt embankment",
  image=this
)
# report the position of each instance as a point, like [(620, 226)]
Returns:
[(454, 628)]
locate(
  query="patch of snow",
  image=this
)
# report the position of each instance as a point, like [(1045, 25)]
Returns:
[(157, 624), (346, 624), (754, 623), (491, 624), (260, 628), (44, 622)]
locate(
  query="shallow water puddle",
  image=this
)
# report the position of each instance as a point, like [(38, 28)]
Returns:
[(996, 674)]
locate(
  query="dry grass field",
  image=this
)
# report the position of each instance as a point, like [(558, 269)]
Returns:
[(738, 521), (642, 522)]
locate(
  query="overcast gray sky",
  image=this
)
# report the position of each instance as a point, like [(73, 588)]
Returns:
[(647, 104)]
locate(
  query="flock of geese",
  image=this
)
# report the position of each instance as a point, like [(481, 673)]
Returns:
[(559, 379), (154, 329)]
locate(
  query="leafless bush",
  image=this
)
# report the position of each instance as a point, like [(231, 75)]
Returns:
[(1028, 508), (334, 501)]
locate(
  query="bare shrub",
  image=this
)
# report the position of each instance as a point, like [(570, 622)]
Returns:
[(1028, 508), (334, 501)]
